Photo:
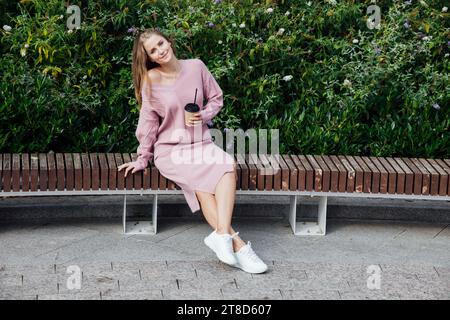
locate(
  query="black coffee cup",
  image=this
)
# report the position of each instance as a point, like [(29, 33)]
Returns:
[(189, 110)]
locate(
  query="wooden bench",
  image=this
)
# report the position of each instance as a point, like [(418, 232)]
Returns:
[(49, 174)]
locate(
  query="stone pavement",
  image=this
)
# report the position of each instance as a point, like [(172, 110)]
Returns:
[(92, 259)]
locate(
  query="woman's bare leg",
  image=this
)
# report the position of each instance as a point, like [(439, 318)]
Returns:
[(209, 208)]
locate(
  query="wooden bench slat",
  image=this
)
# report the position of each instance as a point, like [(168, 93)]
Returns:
[(137, 176), (245, 171), (43, 174), (293, 172), (359, 174), (15, 172), (334, 173), (392, 175), (376, 175), (326, 173), (283, 171), (367, 174), (34, 159), (60, 172), (1, 171), (309, 183), (302, 173), (426, 181), (253, 160), (70, 172), (253, 173), (154, 176), (25, 171), (434, 176), (147, 176), (409, 176), (95, 171), (238, 173), (400, 176), (342, 173), (112, 171), (274, 181), (104, 171), (130, 178), (384, 174), (318, 172), (443, 176), (120, 174), (351, 174), (267, 172), (6, 172), (85, 171), (417, 189), (78, 169), (51, 162), (446, 168)]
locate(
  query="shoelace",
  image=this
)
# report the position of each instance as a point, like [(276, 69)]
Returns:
[(251, 254)]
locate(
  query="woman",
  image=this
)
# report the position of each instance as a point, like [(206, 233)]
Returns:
[(163, 86)]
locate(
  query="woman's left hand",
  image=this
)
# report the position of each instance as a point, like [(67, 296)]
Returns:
[(196, 119)]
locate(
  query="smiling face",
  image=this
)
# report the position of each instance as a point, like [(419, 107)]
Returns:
[(158, 48)]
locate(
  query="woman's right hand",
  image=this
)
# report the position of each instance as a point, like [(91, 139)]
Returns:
[(134, 165)]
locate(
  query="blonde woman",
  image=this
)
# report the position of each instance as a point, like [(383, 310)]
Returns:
[(163, 86)]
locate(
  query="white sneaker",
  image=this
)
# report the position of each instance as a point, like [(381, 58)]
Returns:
[(222, 245), (248, 260)]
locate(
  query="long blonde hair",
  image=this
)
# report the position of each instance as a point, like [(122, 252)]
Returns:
[(141, 62)]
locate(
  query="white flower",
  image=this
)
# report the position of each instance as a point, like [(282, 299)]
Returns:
[(347, 83), (7, 28), (280, 31), (233, 25), (23, 52), (85, 76), (446, 55), (287, 13), (287, 78), (26, 45), (444, 9), (269, 10), (242, 25), (220, 42), (436, 106), (426, 38), (309, 3), (70, 31), (78, 28), (61, 16), (332, 2), (355, 41)]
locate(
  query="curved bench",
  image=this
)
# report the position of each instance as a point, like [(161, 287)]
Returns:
[(321, 176)]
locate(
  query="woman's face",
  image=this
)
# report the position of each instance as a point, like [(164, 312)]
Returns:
[(158, 48)]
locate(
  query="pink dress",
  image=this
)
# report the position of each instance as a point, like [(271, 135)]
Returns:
[(186, 155)]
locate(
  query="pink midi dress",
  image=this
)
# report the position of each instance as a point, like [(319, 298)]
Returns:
[(186, 155)]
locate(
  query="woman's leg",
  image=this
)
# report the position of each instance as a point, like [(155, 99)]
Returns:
[(209, 209), (225, 194)]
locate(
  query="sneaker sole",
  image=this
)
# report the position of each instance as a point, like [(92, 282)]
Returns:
[(209, 245), (248, 270)]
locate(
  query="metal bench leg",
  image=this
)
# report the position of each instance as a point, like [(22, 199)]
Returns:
[(140, 227), (308, 228)]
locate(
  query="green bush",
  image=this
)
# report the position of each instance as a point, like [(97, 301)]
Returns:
[(386, 94)]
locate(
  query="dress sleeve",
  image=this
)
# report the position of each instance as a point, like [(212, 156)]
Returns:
[(146, 132), (212, 92)]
